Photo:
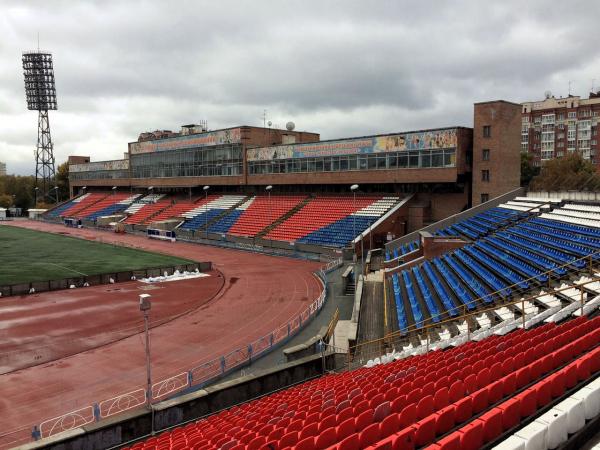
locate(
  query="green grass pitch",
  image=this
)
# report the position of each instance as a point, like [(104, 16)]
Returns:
[(27, 256)]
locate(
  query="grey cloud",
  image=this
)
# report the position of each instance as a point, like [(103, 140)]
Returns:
[(341, 68)]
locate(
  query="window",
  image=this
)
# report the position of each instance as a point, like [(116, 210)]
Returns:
[(487, 131), (572, 114), (485, 154), (485, 175), (485, 198)]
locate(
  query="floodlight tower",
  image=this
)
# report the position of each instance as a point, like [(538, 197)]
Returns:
[(41, 96)]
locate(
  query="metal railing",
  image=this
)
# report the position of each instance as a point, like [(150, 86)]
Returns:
[(376, 347), (190, 380)]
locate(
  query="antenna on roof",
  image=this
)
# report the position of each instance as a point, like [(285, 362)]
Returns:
[(569, 88), (593, 84)]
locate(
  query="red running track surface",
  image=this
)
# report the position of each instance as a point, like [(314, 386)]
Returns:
[(260, 293)]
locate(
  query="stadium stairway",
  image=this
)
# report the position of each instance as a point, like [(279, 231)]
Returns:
[(212, 210), (461, 398), (284, 217), (332, 220), (256, 214), (86, 201), (503, 263), (108, 206), (146, 212), (62, 209)]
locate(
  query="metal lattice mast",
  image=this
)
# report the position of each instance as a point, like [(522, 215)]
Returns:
[(40, 91), (44, 158)]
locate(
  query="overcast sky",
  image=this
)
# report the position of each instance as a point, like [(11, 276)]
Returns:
[(341, 68)]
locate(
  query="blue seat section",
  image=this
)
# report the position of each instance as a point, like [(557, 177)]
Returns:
[(561, 234), (413, 245), (579, 229), (461, 293), (434, 312), (387, 255), (484, 274), (550, 238), (400, 313), (412, 300), (514, 263), (543, 246), (463, 230), (544, 263), (396, 253), (224, 224), (339, 233), (478, 252), (60, 209), (476, 226), (469, 280), (200, 220), (440, 290), (108, 211)]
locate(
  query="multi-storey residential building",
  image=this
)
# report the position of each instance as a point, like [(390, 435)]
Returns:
[(2, 169), (554, 127)]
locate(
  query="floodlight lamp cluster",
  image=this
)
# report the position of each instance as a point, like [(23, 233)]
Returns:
[(40, 89)]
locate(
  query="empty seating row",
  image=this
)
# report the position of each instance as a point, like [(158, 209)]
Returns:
[(256, 214), (469, 394), (332, 220), (108, 206), (147, 211), (205, 212)]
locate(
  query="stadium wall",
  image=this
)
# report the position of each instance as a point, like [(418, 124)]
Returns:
[(457, 217), (141, 423)]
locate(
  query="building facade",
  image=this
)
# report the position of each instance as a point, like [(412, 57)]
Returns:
[(555, 127), (448, 169), (496, 156), (2, 169)]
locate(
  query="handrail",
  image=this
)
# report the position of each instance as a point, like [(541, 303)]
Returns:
[(192, 379), (465, 315)]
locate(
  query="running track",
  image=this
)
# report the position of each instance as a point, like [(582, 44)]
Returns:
[(260, 293)]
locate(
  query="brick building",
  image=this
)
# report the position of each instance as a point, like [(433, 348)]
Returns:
[(496, 155), (554, 127), (445, 169)]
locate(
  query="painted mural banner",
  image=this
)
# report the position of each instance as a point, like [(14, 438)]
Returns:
[(230, 136), (421, 140), (118, 164)]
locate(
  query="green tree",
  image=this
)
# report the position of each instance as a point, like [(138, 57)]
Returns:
[(528, 170), (571, 172), (62, 181), (5, 200)]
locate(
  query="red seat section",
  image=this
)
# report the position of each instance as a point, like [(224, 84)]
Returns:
[(319, 212), (85, 202), (351, 410), (146, 212), (175, 210), (262, 212), (105, 204)]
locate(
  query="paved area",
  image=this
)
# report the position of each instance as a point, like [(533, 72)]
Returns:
[(260, 293)]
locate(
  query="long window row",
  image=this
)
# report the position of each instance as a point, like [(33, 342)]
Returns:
[(224, 160), (418, 159), (99, 175)]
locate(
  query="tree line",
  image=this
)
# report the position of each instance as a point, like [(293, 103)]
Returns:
[(19, 190)]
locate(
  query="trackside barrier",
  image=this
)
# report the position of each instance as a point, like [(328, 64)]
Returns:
[(73, 419), (194, 378)]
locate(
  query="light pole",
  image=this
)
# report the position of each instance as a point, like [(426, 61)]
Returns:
[(145, 306), (84, 189), (56, 193), (114, 190), (268, 189), (353, 188), (36, 189), (206, 188)]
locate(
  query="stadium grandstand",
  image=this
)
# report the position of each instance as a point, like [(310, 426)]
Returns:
[(450, 308)]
